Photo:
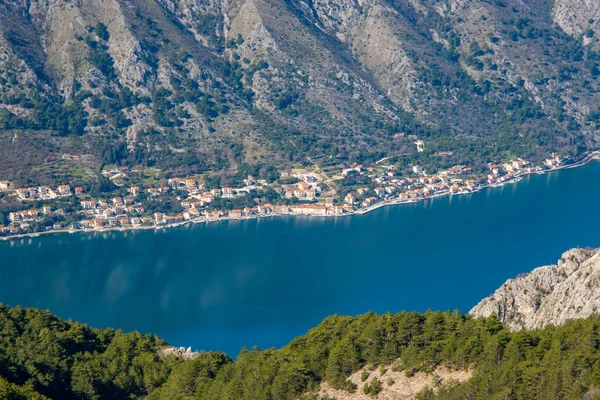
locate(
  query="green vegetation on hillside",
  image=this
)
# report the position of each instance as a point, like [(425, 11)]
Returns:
[(181, 88), (41, 355)]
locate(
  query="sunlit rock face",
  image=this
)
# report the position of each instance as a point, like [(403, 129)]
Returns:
[(548, 295)]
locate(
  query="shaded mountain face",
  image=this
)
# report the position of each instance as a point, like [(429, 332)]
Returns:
[(198, 86)]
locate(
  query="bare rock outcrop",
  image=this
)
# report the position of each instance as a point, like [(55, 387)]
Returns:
[(549, 295), (395, 385), (182, 352), (577, 18)]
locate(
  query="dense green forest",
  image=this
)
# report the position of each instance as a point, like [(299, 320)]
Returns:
[(42, 356)]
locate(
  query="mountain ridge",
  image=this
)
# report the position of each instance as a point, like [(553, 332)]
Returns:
[(205, 87)]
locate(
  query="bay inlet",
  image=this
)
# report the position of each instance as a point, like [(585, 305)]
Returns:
[(221, 286)]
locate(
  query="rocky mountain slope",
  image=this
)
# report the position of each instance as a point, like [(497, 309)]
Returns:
[(548, 295), (196, 86)]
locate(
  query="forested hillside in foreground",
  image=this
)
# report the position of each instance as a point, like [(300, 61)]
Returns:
[(42, 356)]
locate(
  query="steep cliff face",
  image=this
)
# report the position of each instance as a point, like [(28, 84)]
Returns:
[(548, 295)]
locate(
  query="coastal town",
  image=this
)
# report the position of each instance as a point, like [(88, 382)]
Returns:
[(353, 189)]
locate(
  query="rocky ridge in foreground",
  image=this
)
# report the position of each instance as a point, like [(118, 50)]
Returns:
[(549, 295)]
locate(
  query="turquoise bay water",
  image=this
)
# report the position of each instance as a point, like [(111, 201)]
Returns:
[(221, 286)]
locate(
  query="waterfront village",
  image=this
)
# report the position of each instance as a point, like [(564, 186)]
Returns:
[(297, 192)]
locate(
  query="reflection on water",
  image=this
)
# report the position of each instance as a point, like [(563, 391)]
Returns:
[(240, 283)]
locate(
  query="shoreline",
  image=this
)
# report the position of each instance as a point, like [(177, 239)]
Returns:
[(361, 211)]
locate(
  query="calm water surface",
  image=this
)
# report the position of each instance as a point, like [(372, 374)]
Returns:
[(221, 286)]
